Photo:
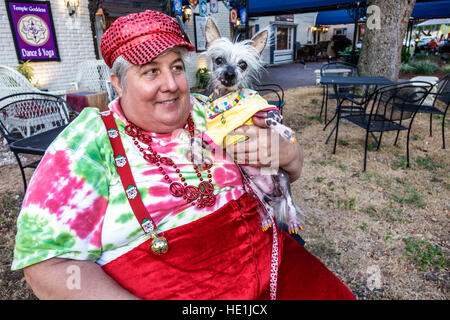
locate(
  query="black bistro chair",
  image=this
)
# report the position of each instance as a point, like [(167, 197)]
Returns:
[(440, 97), (24, 115), (387, 109), (344, 91), (275, 89)]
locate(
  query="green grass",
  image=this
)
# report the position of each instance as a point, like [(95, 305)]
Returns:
[(363, 226), (421, 162), (400, 163), (427, 163), (323, 163), (388, 214), (372, 146), (393, 214), (314, 118), (366, 176), (346, 204), (425, 253), (319, 179), (371, 211), (343, 142), (388, 236), (314, 101), (410, 197)]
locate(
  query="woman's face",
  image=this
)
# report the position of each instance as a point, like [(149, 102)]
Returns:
[(156, 95)]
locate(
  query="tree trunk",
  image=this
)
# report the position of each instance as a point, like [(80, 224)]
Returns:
[(383, 40)]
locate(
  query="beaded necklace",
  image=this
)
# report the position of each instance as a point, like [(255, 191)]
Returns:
[(202, 195), (216, 110)]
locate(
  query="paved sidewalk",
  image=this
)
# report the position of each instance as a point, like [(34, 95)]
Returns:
[(292, 75)]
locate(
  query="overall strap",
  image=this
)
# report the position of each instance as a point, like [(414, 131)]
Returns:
[(126, 177)]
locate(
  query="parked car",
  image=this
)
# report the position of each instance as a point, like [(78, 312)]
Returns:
[(423, 43), (412, 43)]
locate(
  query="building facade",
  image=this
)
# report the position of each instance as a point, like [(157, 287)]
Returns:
[(78, 36)]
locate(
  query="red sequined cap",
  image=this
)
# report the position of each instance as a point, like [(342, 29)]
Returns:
[(141, 37)]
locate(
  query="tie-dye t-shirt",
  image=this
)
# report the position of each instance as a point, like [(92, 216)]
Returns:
[(75, 206)]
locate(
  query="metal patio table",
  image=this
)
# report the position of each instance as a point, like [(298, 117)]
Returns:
[(36, 145), (336, 81)]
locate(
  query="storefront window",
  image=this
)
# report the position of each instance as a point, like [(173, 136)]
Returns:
[(284, 38)]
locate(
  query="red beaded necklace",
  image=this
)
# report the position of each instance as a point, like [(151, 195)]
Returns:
[(203, 195)]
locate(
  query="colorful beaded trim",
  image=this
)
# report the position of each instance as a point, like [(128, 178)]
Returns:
[(216, 110)]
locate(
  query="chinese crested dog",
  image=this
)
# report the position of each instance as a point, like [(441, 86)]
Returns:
[(237, 66)]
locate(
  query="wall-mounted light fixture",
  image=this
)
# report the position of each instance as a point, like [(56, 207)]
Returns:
[(323, 29), (72, 6), (100, 19), (187, 13)]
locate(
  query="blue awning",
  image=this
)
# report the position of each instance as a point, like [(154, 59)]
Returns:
[(271, 7), (325, 18), (431, 10), (423, 10)]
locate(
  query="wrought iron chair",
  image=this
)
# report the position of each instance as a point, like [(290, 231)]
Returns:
[(344, 90), (93, 75), (277, 90), (11, 81), (387, 108), (440, 94), (24, 115)]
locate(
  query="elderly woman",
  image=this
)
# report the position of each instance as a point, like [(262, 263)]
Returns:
[(118, 210)]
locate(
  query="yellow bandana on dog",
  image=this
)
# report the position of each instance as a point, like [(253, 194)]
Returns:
[(231, 111)]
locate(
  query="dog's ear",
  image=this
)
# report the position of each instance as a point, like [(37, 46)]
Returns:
[(259, 40), (212, 32)]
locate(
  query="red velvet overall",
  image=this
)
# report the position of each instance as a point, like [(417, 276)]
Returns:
[(225, 255)]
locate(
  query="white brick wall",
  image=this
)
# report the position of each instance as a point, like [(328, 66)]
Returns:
[(75, 44)]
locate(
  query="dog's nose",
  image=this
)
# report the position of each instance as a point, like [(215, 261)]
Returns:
[(229, 74)]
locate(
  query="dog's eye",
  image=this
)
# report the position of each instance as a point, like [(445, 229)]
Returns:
[(219, 61), (243, 65)]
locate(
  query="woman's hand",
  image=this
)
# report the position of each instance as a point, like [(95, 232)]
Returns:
[(266, 148)]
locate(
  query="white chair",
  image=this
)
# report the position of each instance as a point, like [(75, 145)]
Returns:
[(93, 75), (11, 82)]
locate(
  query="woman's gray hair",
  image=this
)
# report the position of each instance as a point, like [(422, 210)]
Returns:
[(120, 65), (120, 68)]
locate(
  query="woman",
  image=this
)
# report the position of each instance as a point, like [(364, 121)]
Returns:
[(117, 210)]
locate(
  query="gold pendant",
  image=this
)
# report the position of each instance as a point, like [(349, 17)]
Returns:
[(159, 245), (222, 119)]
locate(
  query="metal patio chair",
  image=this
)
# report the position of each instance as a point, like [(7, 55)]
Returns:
[(440, 103), (387, 109), (25, 115), (345, 91), (277, 90)]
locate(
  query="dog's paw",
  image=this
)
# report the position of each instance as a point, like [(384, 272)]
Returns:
[(294, 227), (266, 224)]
